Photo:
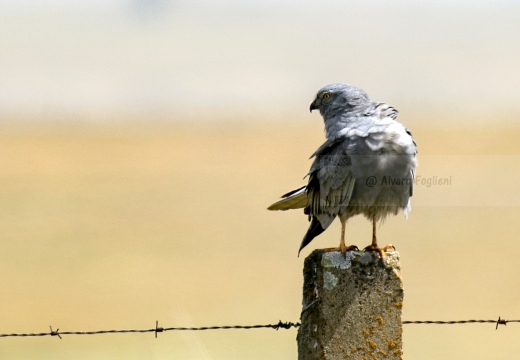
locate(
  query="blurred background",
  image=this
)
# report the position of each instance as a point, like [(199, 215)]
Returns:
[(142, 140)]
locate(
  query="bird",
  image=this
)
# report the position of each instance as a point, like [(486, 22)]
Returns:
[(366, 166)]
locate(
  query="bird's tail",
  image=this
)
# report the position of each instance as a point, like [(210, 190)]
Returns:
[(295, 199), (318, 225)]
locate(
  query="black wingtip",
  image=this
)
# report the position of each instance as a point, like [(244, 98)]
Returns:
[(314, 230)]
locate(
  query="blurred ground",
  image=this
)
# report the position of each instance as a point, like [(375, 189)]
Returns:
[(112, 226)]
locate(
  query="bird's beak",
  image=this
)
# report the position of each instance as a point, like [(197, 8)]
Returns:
[(313, 106)]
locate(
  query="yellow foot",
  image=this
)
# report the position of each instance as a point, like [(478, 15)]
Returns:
[(343, 249), (381, 252), (389, 247)]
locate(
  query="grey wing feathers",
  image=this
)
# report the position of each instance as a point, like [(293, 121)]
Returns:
[(330, 180), (382, 110), (326, 146)]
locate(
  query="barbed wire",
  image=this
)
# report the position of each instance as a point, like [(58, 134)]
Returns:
[(452, 322), (279, 325), (157, 329)]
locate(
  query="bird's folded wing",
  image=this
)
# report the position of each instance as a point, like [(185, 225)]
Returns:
[(331, 190), (330, 180)]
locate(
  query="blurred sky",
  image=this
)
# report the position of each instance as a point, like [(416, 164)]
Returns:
[(230, 57)]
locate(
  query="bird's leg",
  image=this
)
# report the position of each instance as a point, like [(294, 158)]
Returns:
[(342, 247), (373, 246), (374, 238)]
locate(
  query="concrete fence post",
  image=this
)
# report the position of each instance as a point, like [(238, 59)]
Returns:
[(351, 307)]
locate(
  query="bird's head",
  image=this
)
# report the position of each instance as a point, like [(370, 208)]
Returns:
[(335, 98)]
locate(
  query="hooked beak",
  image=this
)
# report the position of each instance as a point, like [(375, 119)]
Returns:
[(313, 106)]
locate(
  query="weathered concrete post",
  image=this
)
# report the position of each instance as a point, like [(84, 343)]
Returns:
[(351, 307)]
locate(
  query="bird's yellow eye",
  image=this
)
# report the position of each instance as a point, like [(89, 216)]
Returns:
[(325, 96)]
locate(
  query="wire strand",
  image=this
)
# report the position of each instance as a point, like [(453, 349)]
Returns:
[(279, 325)]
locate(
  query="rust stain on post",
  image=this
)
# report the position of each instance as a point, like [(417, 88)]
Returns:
[(352, 307)]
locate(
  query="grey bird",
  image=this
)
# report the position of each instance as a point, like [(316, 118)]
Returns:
[(366, 165)]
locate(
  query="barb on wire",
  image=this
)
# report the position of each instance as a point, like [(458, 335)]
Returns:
[(55, 333), (502, 322), (279, 325), (157, 328)]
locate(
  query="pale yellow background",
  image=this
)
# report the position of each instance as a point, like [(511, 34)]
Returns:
[(141, 142)]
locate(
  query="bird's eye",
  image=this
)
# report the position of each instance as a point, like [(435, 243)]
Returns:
[(325, 96)]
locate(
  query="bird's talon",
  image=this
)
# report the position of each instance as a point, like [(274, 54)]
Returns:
[(381, 252), (389, 247), (342, 249)]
